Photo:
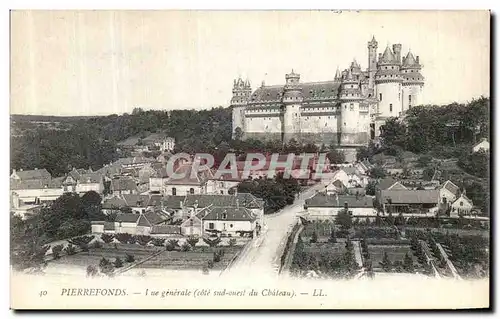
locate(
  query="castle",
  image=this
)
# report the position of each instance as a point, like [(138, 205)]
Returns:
[(347, 111)]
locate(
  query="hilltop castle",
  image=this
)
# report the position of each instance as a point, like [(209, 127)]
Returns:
[(347, 111)]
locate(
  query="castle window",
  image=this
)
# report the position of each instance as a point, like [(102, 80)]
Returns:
[(409, 98), (352, 86), (369, 95), (390, 107), (380, 97), (399, 96), (345, 124), (386, 68)]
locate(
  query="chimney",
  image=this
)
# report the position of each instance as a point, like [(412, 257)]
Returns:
[(397, 51), (36, 169), (237, 203), (418, 59)]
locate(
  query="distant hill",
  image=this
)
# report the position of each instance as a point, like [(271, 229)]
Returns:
[(49, 118)]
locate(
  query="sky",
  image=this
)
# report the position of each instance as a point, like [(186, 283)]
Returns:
[(109, 62)]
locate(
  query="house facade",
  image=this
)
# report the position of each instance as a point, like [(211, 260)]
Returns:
[(461, 206), (323, 206)]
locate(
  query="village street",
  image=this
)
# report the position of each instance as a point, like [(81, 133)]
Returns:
[(263, 255)]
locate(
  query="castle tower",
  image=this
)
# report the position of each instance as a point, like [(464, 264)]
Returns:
[(388, 83), (350, 98), (241, 94), (413, 81), (372, 62), (292, 101)]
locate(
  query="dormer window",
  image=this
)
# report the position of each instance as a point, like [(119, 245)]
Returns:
[(224, 216)]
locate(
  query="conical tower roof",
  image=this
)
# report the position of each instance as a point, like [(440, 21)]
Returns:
[(337, 73), (388, 56), (409, 60), (354, 64)]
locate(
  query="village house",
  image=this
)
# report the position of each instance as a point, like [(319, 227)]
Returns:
[(231, 221), (335, 187), (164, 157), (36, 191), (448, 193), (363, 167), (224, 184), (388, 184), (123, 185), (187, 180), (354, 177), (462, 206), (134, 224), (397, 201), (157, 180), (482, 145), (323, 206), (35, 174), (82, 181), (19, 208)]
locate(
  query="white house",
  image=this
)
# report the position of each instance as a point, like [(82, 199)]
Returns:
[(228, 220), (187, 180), (448, 193), (134, 224), (482, 145), (462, 206), (36, 191), (355, 178), (323, 206), (223, 184)]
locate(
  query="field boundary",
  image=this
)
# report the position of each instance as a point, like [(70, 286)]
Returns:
[(122, 270), (285, 266), (240, 253)]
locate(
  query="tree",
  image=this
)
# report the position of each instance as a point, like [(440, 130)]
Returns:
[(123, 238), (106, 267), (408, 263), (107, 238), (82, 242), (232, 242), (92, 271), (212, 242), (332, 238), (129, 258), (400, 220), (26, 243), (118, 263), (56, 251), (424, 161), (377, 172), (143, 240), (314, 237), (393, 133), (193, 240), (238, 134), (335, 156), (172, 244), (91, 206), (344, 219), (159, 242), (70, 250), (185, 247), (371, 188), (386, 262)]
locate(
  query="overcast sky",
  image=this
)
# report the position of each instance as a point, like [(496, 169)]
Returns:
[(105, 62)]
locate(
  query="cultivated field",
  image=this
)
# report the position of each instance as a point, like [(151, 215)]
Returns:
[(394, 252)]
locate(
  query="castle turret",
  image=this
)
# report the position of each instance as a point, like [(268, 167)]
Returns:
[(292, 101), (396, 48), (388, 82), (413, 81), (241, 94), (372, 62), (350, 98)]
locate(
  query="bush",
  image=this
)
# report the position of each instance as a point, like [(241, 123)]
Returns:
[(212, 242), (106, 266), (132, 239), (210, 264), (123, 238), (70, 250), (186, 247), (96, 244), (192, 240), (82, 242), (172, 244), (107, 238), (56, 251), (92, 271), (143, 240), (129, 258), (118, 262), (158, 242), (232, 242)]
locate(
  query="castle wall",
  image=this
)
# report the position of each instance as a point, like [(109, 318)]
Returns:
[(266, 123), (391, 94), (415, 92), (238, 117), (327, 122)]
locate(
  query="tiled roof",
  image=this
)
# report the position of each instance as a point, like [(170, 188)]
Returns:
[(189, 176), (411, 196), (35, 184), (229, 214), (33, 174), (134, 200), (409, 60), (454, 189), (154, 218), (114, 203), (322, 200), (131, 141), (310, 92), (123, 183), (165, 229), (388, 56), (386, 183), (109, 226), (90, 178), (127, 217)]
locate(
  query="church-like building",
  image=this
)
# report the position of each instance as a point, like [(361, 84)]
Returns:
[(347, 111)]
